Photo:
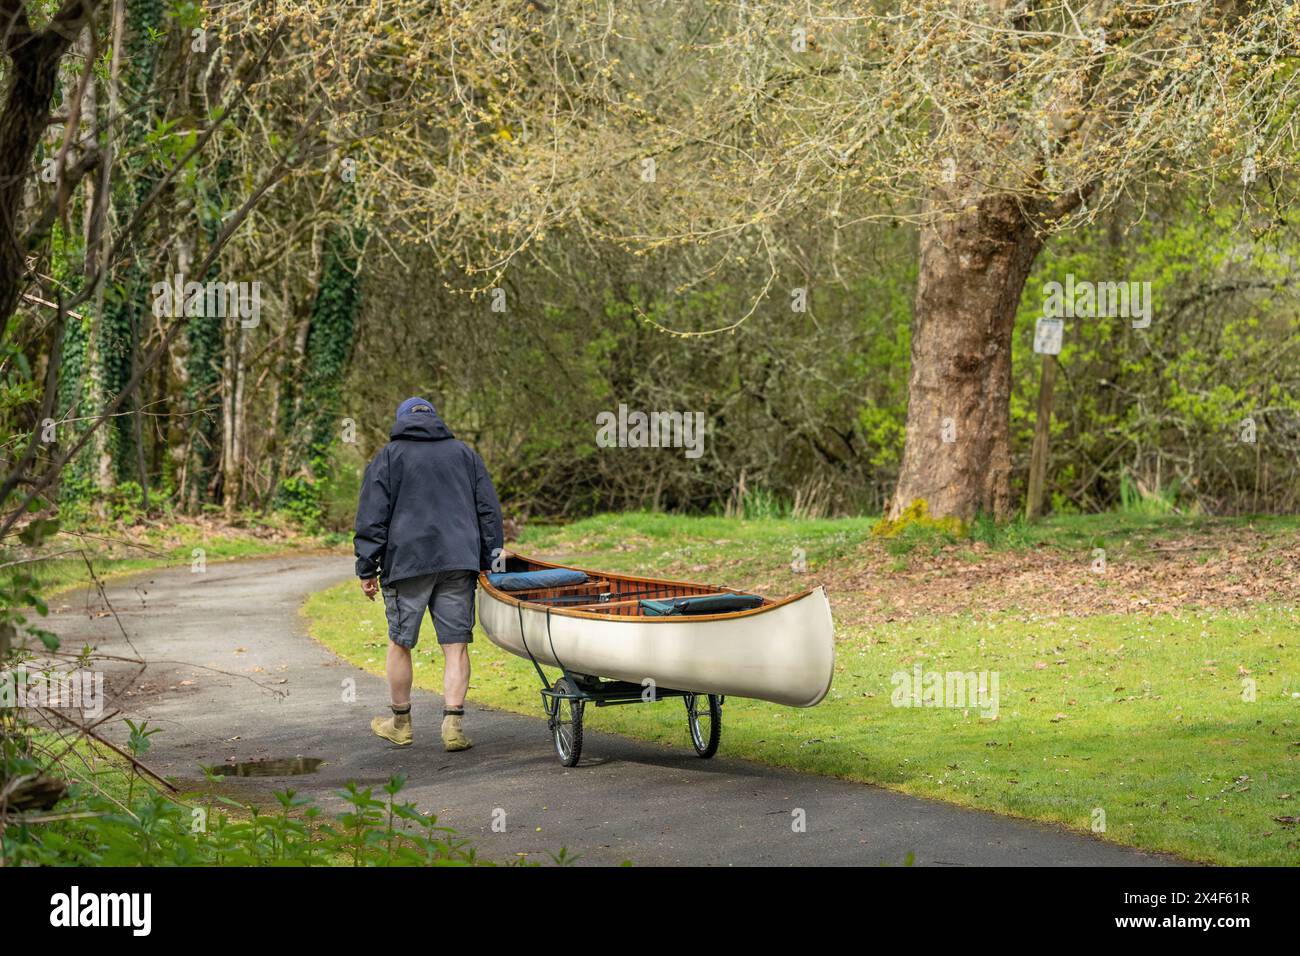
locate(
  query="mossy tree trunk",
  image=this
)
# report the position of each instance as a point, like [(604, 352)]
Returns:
[(312, 416)]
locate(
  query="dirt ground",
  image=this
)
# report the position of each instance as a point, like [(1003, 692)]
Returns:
[(1225, 569)]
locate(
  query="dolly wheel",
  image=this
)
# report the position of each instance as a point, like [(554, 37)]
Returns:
[(704, 717), (566, 724)]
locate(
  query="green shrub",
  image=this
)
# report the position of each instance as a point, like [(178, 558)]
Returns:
[(155, 830), (340, 487), (124, 503), (298, 499)]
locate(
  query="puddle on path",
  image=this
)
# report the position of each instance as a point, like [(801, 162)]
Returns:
[(289, 767)]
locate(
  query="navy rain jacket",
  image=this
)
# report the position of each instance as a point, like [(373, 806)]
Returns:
[(427, 504)]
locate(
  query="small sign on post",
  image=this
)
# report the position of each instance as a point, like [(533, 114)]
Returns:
[(1048, 333)]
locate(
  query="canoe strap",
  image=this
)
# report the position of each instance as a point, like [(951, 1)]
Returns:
[(558, 662), (537, 667), (524, 640)]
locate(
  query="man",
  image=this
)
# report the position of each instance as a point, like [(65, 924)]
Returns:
[(428, 521)]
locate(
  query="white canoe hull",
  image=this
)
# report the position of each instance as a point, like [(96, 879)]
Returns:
[(783, 653)]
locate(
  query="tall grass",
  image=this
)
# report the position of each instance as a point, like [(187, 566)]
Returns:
[(1136, 499)]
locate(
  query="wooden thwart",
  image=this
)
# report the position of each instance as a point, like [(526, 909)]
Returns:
[(601, 605)]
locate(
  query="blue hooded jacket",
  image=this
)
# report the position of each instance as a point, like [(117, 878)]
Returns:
[(427, 504)]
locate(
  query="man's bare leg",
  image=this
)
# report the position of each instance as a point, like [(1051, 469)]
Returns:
[(398, 667), (455, 684), (397, 728), (455, 675)]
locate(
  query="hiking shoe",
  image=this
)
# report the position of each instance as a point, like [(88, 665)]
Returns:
[(453, 738), (396, 728)]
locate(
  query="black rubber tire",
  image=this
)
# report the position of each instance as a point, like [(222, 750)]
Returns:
[(567, 735), (704, 740)]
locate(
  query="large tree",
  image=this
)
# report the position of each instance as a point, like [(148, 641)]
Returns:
[(989, 126)]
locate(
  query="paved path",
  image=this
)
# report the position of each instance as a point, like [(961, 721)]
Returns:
[(628, 800)]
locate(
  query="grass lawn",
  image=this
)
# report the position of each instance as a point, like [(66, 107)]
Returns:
[(1142, 715), (114, 552)]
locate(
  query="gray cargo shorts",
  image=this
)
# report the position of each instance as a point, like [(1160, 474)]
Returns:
[(448, 596)]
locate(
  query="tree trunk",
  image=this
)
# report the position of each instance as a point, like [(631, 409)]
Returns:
[(95, 220), (34, 58), (232, 389), (973, 267)]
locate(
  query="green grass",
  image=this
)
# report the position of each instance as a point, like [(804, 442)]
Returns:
[(112, 554), (1142, 717), (86, 767), (630, 539), (677, 543)]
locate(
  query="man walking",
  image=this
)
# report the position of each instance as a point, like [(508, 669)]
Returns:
[(428, 521)]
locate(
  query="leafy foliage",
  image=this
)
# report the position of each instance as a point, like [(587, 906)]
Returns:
[(91, 828)]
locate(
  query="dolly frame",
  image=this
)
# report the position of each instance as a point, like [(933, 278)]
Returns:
[(577, 690), (703, 710)]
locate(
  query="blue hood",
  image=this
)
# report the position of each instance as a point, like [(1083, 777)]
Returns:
[(420, 426)]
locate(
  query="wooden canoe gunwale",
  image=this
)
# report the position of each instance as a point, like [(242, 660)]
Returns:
[(560, 610)]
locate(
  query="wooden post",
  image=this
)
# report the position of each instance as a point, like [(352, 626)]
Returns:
[(1042, 435)]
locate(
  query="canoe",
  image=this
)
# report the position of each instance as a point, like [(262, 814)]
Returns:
[(634, 629)]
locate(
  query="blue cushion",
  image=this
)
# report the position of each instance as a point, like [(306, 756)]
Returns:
[(703, 604), (529, 580)]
